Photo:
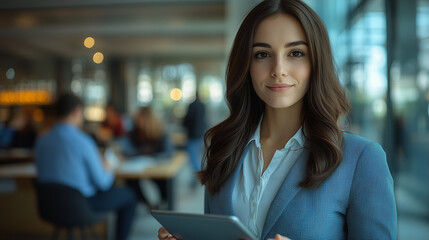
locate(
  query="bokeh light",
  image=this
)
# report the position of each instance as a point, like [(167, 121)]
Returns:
[(144, 92), (176, 94), (89, 42), (25, 97), (94, 113), (98, 57), (10, 73)]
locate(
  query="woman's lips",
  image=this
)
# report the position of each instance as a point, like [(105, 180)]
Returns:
[(279, 87)]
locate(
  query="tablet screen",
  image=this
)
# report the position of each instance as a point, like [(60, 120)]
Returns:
[(187, 226)]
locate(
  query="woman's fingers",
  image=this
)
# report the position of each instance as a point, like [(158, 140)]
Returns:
[(279, 237), (163, 234)]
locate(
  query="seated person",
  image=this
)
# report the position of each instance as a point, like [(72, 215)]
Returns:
[(112, 127), (19, 130), (148, 137), (68, 156)]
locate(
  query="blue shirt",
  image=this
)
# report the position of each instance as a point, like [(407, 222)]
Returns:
[(254, 192), (69, 156)]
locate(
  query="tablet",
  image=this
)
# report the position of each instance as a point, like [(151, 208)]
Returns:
[(187, 226)]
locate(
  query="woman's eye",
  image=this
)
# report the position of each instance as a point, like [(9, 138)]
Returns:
[(261, 55), (296, 54)]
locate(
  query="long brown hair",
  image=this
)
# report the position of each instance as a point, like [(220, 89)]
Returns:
[(324, 101), (147, 126)]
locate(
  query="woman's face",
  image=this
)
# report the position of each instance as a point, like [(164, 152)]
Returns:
[(280, 66)]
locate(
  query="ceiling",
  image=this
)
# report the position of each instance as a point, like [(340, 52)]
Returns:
[(121, 28)]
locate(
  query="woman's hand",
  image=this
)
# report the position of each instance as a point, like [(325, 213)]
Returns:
[(163, 234), (279, 237)]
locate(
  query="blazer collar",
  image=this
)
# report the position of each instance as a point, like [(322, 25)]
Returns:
[(225, 194), (286, 193)]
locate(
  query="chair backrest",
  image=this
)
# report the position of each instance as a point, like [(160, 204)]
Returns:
[(64, 206)]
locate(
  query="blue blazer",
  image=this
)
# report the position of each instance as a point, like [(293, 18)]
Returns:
[(356, 202)]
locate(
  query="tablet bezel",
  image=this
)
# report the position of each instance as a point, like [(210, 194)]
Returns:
[(169, 220)]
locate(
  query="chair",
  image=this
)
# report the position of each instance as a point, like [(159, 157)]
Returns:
[(66, 207)]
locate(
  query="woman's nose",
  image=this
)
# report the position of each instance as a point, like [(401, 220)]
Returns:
[(279, 68)]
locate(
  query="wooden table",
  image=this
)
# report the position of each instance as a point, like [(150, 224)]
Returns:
[(164, 170), (15, 155)]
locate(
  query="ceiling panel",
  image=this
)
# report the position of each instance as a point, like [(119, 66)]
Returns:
[(120, 28)]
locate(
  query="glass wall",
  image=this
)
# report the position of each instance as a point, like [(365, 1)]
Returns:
[(364, 72), (381, 49), (169, 86), (410, 95)]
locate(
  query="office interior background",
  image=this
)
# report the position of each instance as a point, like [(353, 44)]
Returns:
[(158, 53)]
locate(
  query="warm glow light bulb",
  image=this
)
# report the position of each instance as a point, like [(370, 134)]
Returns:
[(89, 42), (98, 57), (176, 94)]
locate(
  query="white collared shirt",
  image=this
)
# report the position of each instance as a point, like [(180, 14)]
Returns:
[(254, 192)]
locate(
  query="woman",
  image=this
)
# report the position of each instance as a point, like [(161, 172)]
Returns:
[(280, 162), (148, 137)]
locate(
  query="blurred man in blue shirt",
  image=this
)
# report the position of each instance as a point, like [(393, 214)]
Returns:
[(69, 156)]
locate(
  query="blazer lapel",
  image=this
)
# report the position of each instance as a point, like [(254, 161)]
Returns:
[(223, 198), (287, 192)]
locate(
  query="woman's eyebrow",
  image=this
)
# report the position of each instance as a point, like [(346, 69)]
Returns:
[(296, 43), (265, 45), (290, 44)]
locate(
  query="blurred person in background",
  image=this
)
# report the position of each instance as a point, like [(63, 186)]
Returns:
[(112, 126), (19, 130), (195, 123), (148, 137), (281, 161), (68, 156)]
